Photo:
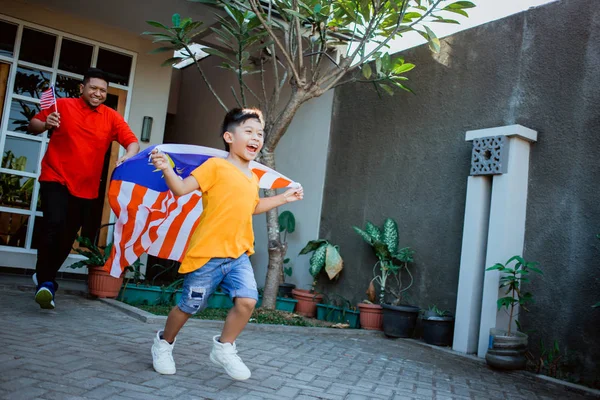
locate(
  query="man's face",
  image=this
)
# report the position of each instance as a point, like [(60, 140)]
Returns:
[(94, 92)]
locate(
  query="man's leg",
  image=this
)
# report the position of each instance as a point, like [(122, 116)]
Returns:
[(60, 223)]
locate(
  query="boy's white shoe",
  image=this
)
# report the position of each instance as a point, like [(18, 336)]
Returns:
[(225, 355), (162, 355)]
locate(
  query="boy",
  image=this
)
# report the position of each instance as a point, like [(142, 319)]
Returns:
[(219, 247)]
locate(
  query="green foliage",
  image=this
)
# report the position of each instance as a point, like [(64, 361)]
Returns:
[(12, 191), (392, 260), (325, 257), (287, 222), (438, 312), (550, 361), (95, 256), (511, 279)]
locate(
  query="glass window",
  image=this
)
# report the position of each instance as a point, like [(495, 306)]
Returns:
[(16, 191), (21, 154), (75, 57), (31, 82), (8, 33), (21, 113), (13, 229), (67, 86), (117, 66), (37, 47)]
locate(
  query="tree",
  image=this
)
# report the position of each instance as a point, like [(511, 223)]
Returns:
[(310, 45)]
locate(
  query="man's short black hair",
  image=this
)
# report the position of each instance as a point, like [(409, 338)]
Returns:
[(95, 73), (237, 116)]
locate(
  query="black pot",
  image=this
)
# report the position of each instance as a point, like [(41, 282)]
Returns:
[(438, 330), (285, 290), (507, 352), (399, 321)]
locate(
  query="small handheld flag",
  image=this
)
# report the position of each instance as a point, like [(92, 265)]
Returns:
[(48, 99)]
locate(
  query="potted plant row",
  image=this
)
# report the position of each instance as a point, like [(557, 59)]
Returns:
[(326, 257), (508, 347), (340, 311), (438, 326), (398, 319)]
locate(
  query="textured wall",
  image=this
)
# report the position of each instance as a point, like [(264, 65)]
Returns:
[(405, 157)]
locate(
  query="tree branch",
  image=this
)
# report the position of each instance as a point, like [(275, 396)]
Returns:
[(212, 90), (291, 65)]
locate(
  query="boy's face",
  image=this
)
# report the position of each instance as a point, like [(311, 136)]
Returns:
[(246, 140)]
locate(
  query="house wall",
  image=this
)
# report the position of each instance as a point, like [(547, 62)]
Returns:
[(405, 157), (301, 154)]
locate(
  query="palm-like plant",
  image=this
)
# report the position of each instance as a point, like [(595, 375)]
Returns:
[(392, 261), (95, 256), (326, 256)]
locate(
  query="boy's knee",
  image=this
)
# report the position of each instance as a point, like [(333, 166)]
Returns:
[(245, 303)]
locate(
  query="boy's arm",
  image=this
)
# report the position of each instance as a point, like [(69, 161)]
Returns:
[(178, 186), (268, 203)]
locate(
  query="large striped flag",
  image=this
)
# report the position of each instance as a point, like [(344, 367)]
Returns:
[(149, 217)]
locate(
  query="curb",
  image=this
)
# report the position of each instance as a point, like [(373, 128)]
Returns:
[(149, 318)]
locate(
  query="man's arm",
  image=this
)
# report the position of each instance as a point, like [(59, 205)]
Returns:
[(268, 203), (37, 126), (132, 150), (178, 186)]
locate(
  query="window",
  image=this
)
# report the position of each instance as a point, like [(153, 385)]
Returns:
[(8, 34)]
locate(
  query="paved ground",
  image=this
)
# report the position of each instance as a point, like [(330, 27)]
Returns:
[(88, 350)]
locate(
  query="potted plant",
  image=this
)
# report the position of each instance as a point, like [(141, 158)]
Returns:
[(141, 292), (507, 348), (287, 224), (100, 283), (399, 320), (325, 257), (438, 326)]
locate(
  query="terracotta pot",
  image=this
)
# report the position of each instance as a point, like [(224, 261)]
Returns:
[(371, 316), (101, 284), (307, 302)]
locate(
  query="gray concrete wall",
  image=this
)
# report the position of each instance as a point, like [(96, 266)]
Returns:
[(300, 155), (405, 157)]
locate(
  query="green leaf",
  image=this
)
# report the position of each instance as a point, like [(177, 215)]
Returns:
[(400, 69), (287, 271), (317, 260), (459, 5), (215, 52), (363, 234), (373, 231), (498, 267), (596, 305), (405, 255), (176, 19), (434, 42), (366, 71), (381, 251), (171, 61), (390, 235), (312, 246), (457, 11), (163, 49), (156, 24), (333, 262), (317, 8), (287, 222)]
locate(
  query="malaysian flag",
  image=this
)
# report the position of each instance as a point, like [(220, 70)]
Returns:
[(149, 217), (48, 99)]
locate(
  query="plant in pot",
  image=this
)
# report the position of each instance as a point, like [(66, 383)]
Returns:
[(100, 283), (338, 309), (287, 224), (438, 326), (508, 347), (399, 320), (142, 292), (326, 257)]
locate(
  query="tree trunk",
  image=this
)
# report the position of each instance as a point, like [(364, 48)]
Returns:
[(275, 130)]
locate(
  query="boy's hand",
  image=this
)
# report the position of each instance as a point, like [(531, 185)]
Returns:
[(295, 194), (160, 160)]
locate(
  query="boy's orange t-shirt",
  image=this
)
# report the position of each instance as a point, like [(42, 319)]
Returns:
[(229, 198)]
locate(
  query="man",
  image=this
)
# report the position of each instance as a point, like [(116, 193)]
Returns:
[(82, 131)]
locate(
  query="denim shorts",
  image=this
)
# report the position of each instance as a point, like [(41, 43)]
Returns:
[(234, 275)]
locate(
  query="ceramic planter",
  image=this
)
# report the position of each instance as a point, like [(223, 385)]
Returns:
[(307, 302), (330, 313), (399, 321), (438, 330), (371, 316), (102, 284), (506, 352)]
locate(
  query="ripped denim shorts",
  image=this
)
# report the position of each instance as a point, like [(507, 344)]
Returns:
[(234, 275)]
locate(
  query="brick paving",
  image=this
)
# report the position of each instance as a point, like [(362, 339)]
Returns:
[(86, 349)]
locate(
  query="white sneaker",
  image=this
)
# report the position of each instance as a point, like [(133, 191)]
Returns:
[(225, 355), (162, 355)]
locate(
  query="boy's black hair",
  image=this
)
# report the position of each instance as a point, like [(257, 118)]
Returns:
[(95, 73), (237, 116)]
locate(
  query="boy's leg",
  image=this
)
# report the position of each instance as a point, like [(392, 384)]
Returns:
[(240, 284), (197, 288)]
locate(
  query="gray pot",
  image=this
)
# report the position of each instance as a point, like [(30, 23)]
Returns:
[(506, 352)]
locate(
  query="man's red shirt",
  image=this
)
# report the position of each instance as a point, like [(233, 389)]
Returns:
[(75, 155)]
